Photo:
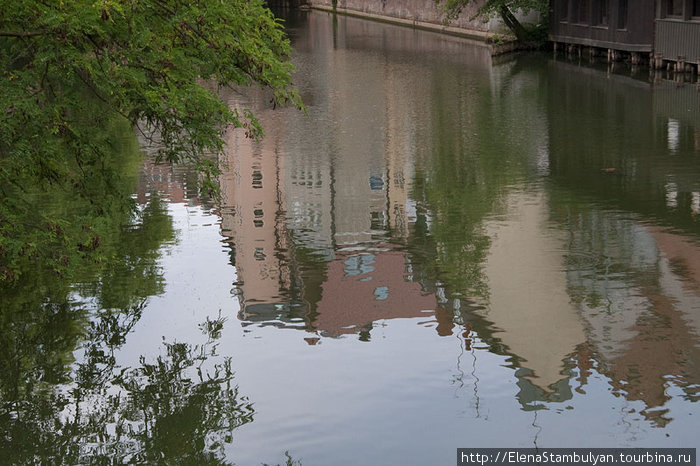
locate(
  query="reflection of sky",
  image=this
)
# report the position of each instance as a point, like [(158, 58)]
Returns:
[(198, 283)]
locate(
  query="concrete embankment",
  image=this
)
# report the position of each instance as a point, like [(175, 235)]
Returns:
[(426, 16)]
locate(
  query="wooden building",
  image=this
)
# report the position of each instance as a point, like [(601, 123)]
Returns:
[(677, 36), (612, 26)]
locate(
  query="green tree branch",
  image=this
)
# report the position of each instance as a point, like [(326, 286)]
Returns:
[(65, 65)]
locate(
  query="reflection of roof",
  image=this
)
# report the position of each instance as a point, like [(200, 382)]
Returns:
[(647, 335), (530, 395), (527, 284), (665, 343), (364, 286)]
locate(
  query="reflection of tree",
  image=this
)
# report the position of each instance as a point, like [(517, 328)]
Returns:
[(180, 408), (176, 410), (472, 161), (134, 253), (452, 188), (482, 157), (42, 320), (41, 325)]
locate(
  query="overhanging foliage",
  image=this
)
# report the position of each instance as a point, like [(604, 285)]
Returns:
[(68, 67)]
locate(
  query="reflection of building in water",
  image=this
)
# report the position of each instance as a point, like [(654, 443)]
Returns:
[(510, 273), (528, 302), (326, 239), (288, 208), (359, 185), (400, 154), (678, 108), (176, 183), (637, 290), (341, 186), (620, 138), (251, 217), (630, 144), (369, 285)]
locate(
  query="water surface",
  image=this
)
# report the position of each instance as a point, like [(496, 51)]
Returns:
[(448, 251)]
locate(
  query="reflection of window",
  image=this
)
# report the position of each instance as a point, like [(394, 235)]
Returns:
[(622, 14), (381, 293), (359, 265), (376, 183), (258, 222), (259, 254), (671, 194), (257, 179), (600, 12), (377, 220)]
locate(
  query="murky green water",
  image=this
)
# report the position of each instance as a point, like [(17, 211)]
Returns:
[(448, 251)]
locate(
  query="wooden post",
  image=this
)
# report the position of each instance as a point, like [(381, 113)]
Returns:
[(680, 65), (658, 61)]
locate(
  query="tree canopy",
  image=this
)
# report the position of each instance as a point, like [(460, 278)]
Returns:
[(68, 67), (505, 9)]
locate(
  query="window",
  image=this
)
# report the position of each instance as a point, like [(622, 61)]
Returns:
[(674, 8), (696, 8), (600, 12), (564, 10), (622, 14), (579, 11), (583, 11)]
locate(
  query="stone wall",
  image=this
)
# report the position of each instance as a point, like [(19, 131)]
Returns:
[(419, 13)]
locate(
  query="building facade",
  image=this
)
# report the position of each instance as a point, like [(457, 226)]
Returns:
[(604, 24), (677, 37), (666, 32)]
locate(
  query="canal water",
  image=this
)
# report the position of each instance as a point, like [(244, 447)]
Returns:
[(447, 250)]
